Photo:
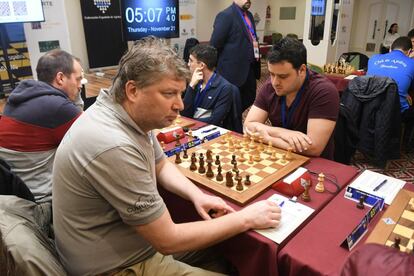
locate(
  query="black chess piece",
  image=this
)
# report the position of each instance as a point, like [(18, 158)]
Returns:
[(397, 241), (233, 159), (219, 176), (185, 155), (201, 168), (209, 173), (217, 162), (247, 182), (239, 186), (177, 158), (360, 204), (229, 179), (193, 165)]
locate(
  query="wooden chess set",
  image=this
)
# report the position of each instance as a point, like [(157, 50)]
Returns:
[(341, 68), (396, 227), (238, 168), (181, 122)]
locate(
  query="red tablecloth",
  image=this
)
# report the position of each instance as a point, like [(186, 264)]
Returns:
[(316, 250), (250, 252), (340, 82)]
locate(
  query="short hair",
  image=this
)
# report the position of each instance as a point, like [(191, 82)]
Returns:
[(410, 34), (402, 43), (147, 62), (53, 62), (206, 54), (290, 50), (392, 25)]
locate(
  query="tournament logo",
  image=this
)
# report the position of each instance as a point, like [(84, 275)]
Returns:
[(102, 5)]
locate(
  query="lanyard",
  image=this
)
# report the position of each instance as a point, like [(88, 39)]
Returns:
[(250, 28), (286, 122), (200, 94)]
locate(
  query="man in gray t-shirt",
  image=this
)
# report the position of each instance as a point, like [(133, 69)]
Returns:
[(108, 214)]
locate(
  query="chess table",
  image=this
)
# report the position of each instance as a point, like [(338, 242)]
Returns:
[(250, 252), (316, 249)]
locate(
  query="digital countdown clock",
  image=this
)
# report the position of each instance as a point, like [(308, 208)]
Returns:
[(142, 18)]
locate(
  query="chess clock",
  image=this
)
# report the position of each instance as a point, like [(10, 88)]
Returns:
[(142, 18)]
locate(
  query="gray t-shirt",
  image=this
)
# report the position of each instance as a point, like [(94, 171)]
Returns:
[(104, 184)]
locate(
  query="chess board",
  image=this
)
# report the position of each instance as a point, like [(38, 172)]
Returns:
[(397, 221), (262, 173), (182, 122)]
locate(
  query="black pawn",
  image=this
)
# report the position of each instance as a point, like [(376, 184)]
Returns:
[(217, 160), (219, 176), (209, 156), (233, 159), (360, 204), (201, 169), (177, 158), (193, 165), (235, 168), (239, 186), (229, 179), (185, 156), (247, 182)]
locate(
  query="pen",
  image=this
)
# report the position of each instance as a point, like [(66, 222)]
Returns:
[(281, 204), (380, 185), (208, 130)]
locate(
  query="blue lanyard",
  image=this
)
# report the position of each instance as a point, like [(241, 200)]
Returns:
[(200, 94), (251, 30), (286, 122)]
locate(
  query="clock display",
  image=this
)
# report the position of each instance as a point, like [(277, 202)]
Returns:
[(150, 17)]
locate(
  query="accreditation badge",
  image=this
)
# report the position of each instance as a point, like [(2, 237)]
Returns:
[(256, 49)]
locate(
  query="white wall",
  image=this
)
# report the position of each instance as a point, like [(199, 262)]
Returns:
[(287, 26)]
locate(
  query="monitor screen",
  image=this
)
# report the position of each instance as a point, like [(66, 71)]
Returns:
[(318, 7), (141, 18), (14, 11)]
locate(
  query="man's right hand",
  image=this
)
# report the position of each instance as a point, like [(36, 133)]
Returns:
[(262, 214), (196, 78)]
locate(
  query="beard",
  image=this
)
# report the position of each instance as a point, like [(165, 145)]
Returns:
[(246, 6)]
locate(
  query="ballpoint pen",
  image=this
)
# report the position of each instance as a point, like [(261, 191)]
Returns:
[(380, 185), (281, 204), (208, 130)]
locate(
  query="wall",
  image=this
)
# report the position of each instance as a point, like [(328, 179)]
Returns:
[(287, 26)]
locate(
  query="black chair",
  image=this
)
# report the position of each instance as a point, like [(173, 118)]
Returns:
[(358, 60), (87, 102), (189, 43)]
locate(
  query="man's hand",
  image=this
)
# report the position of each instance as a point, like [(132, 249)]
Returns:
[(262, 214), (258, 129), (296, 139), (206, 205), (196, 78)]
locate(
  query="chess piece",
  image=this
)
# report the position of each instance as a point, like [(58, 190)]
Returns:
[(237, 144), (235, 168), (239, 186), (247, 182), (252, 145), (251, 159), (257, 156), (177, 158), (233, 159), (283, 159), (237, 177), (305, 194), (193, 165), (201, 168), (177, 140), (185, 156), (231, 145), (209, 156), (273, 156), (193, 155), (289, 154), (360, 204), (229, 179), (397, 241), (209, 172), (269, 147), (320, 188), (219, 176), (190, 135), (162, 145), (241, 157), (260, 146), (178, 119), (217, 162)]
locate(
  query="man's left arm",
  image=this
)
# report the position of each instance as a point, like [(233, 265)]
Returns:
[(170, 177), (222, 106), (319, 131)]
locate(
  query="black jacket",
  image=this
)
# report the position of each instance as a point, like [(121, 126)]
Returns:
[(369, 120), (11, 184)]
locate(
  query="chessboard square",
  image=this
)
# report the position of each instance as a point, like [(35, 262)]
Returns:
[(406, 222), (269, 170), (225, 160), (226, 167), (252, 170), (262, 174), (216, 151), (408, 215), (410, 244), (243, 167), (282, 163), (259, 166), (266, 162), (389, 243), (255, 178), (403, 231)]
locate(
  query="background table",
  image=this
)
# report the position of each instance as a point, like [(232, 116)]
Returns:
[(339, 81), (250, 252), (316, 250)]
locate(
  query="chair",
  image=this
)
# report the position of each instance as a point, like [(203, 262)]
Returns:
[(87, 102), (315, 68), (276, 37), (358, 60), (369, 121), (189, 43), (291, 35)]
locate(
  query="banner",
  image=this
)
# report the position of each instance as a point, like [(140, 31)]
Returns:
[(102, 24)]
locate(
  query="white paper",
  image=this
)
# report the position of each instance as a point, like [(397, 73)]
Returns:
[(207, 130), (368, 180), (293, 214)]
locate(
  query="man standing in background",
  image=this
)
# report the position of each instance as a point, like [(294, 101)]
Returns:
[(234, 36)]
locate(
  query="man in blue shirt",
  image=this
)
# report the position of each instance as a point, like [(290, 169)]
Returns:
[(208, 97), (398, 66)]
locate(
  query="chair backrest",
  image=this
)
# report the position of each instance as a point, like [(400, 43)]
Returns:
[(356, 59), (276, 37), (315, 68), (291, 35), (189, 43), (233, 121)]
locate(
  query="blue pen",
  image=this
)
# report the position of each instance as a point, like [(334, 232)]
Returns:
[(380, 185), (281, 204), (208, 130)]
